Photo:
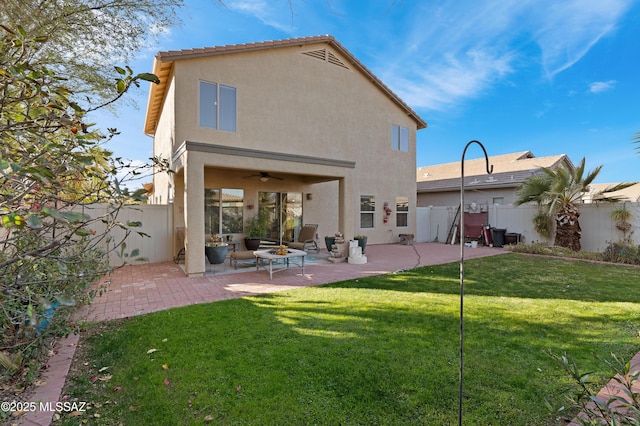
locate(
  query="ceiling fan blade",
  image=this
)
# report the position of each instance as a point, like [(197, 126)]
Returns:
[(264, 176)]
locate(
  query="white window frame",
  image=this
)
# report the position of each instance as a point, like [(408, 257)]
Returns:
[(402, 210), (371, 211), (399, 138), (217, 106), (224, 220)]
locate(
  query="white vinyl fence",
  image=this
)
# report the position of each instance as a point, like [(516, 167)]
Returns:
[(433, 225), (598, 229), (156, 221)]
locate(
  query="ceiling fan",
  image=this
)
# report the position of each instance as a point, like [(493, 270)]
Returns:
[(263, 176)]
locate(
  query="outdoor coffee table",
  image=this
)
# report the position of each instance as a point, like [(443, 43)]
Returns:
[(271, 255)]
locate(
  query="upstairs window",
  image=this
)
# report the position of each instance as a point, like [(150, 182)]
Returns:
[(399, 138), (217, 106)]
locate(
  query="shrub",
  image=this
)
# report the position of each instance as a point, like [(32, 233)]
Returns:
[(52, 164), (621, 408), (616, 252), (620, 252), (550, 250)]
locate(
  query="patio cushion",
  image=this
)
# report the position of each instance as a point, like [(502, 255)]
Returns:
[(240, 255)]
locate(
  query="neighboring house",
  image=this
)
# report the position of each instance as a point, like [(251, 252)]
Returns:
[(297, 128), (631, 194), (439, 185)]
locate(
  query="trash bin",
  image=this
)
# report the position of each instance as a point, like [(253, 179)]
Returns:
[(497, 236)]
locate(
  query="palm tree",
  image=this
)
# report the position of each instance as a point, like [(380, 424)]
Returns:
[(558, 191)]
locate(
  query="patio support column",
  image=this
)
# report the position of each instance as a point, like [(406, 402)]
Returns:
[(194, 215), (348, 203), (178, 209)]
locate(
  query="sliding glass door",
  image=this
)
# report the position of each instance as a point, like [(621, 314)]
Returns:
[(284, 210)]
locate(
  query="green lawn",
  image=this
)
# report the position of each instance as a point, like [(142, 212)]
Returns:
[(380, 350)]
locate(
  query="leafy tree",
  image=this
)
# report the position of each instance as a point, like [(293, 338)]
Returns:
[(558, 191), (52, 167), (84, 35)]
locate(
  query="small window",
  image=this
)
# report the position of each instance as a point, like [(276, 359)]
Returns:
[(367, 211), (402, 212), (498, 200), (399, 138), (217, 106)]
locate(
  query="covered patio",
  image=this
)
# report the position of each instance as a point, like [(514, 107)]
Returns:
[(218, 188)]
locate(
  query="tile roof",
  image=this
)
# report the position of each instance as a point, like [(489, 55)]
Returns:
[(631, 193), (163, 66), (509, 170)]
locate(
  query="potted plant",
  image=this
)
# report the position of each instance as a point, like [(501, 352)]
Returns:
[(255, 229), (621, 217), (362, 241), (329, 242), (543, 224), (216, 252)]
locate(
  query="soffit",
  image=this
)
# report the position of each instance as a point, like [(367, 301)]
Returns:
[(157, 95)]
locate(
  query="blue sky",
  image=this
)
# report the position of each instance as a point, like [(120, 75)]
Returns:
[(551, 77)]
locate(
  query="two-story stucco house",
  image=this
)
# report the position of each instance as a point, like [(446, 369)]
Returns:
[(297, 128)]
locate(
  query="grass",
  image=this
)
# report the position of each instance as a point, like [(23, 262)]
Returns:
[(380, 350)]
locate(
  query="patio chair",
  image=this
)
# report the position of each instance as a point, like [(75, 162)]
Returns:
[(306, 238), (180, 234)]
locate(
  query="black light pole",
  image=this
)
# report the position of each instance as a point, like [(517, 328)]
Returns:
[(489, 171)]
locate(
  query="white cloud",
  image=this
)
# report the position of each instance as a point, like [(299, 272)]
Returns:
[(567, 30), (601, 86), (461, 49), (455, 78), (272, 14)]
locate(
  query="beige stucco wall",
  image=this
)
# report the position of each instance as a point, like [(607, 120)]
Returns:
[(290, 103)]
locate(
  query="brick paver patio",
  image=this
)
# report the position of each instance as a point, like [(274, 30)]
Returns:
[(140, 289)]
